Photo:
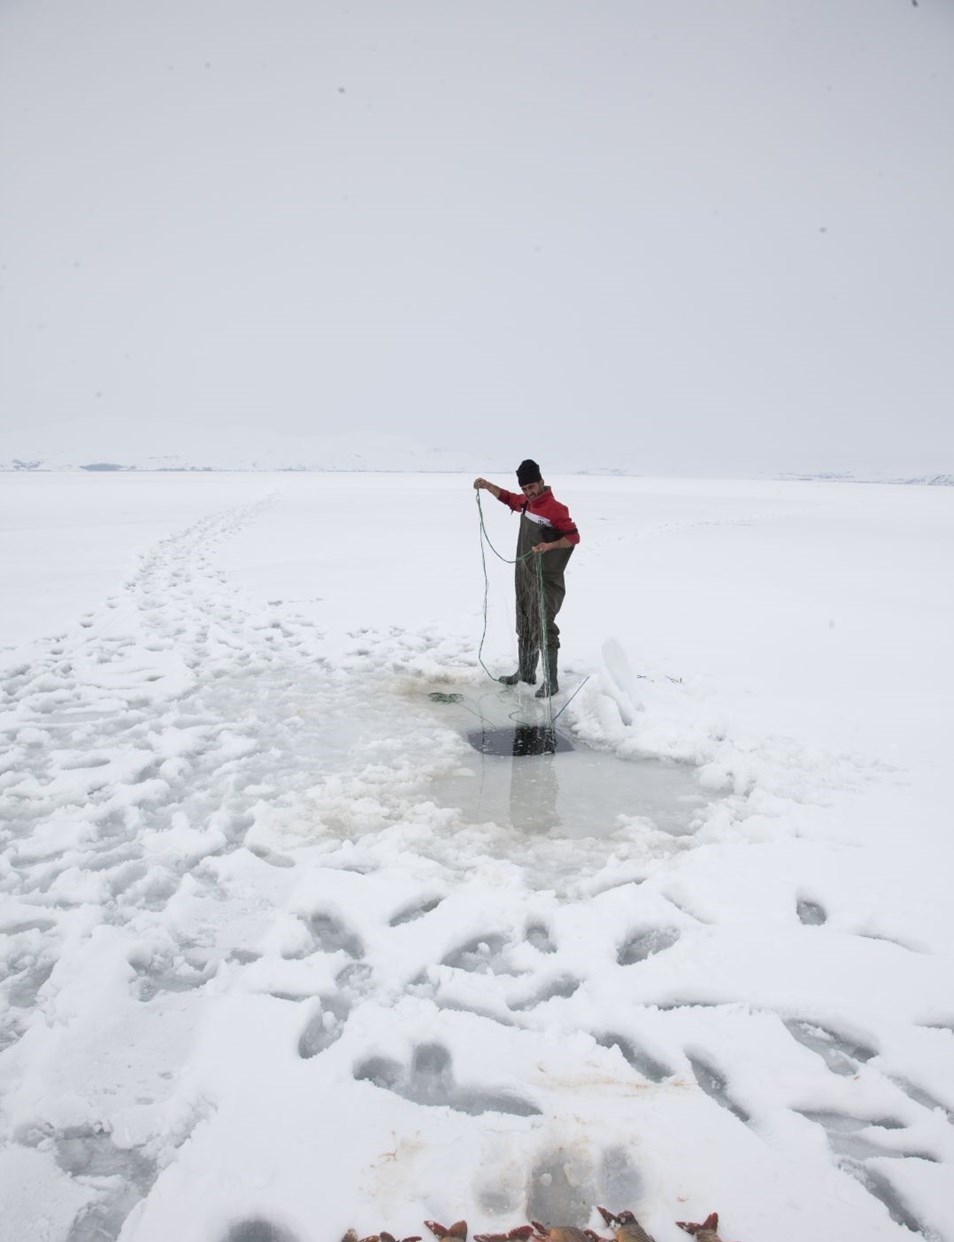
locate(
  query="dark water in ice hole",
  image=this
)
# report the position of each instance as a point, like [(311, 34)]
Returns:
[(535, 779), (521, 741)]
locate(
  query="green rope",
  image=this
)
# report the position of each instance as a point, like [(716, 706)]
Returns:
[(541, 603)]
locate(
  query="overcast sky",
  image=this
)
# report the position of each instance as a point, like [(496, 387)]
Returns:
[(710, 235)]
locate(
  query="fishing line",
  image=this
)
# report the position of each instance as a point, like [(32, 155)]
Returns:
[(485, 539), (541, 606), (570, 699)]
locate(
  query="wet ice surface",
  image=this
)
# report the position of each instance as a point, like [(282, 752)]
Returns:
[(283, 953), (533, 778)]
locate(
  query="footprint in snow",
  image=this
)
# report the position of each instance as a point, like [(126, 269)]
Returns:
[(38, 923), (416, 910), (643, 1062), (325, 1027), (153, 891), (562, 1187), (245, 957), (258, 1229), (940, 1025), (922, 1097), (85, 1152), (810, 913), (481, 955), (561, 987), (843, 1132), (332, 936), (26, 986), (646, 943), (429, 1081), (841, 1054), (881, 1188), (538, 935), (325, 933), (886, 939), (122, 1177), (715, 1085), (265, 855), (79, 763), (155, 974), (489, 953)]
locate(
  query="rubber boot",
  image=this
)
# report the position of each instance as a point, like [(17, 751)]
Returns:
[(550, 684), (526, 670)]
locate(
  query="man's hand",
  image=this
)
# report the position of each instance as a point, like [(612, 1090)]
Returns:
[(562, 542), (481, 483)]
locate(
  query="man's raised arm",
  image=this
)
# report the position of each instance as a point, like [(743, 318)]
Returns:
[(487, 487)]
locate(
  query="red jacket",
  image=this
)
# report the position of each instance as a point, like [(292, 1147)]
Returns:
[(544, 509)]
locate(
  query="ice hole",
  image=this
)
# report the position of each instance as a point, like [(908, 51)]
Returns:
[(521, 741)]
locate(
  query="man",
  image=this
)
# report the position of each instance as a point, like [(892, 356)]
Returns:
[(546, 531)]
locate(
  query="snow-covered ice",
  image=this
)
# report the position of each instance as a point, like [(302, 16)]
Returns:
[(282, 953)]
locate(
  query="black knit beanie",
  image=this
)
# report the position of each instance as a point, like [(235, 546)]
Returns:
[(528, 472)]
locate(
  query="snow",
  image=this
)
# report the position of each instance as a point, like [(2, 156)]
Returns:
[(284, 954)]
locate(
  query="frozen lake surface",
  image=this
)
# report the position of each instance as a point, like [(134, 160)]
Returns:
[(283, 953)]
